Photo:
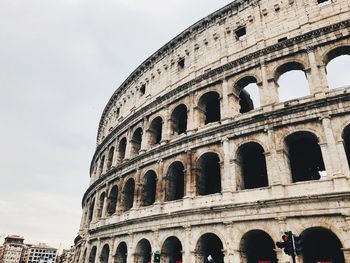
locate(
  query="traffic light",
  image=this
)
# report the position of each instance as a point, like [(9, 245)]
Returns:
[(287, 243), (156, 257), (298, 244)]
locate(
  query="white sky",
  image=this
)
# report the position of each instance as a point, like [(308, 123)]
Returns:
[(60, 61)]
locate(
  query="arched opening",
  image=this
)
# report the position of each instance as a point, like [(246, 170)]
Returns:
[(209, 107), (305, 157), (155, 131), (346, 139), (209, 245), (112, 200), (121, 253), (179, 119), (252, 163), (121, 149), (92, 256), (91, 210), (110, 157), (102, 163), (258, 246), (249, 98), (129, 190), (292, 81), (148, 190), (171, 250), (143, 252), (136, 142), (104, 254), (101, 202), (337, 64), (175, 182), (83, 259), (321, 245), (208, 174)]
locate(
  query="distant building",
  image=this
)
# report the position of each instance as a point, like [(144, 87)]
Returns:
[(12, 249), (67, 255), (41, 253)]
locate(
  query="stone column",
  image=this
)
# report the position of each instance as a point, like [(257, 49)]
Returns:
[(189, 180), (128, 145), (159, 196), (228, 169), (316, 74), (137, 192), (98, 252), (269, 89), (343, 161), (225, 105), (166, 127), (104, 207), (191, 116), (144, 140)]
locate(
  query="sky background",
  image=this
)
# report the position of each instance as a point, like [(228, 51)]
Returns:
[(60, 61)]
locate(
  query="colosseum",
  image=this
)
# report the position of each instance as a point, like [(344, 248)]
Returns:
[(202, 150)]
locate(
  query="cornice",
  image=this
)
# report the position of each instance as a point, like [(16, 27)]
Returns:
[(261, 119), (213, 73)]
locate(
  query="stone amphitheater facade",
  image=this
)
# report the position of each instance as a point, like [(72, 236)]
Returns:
[(187, 165)]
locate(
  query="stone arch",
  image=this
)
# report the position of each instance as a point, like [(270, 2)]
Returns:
[(208, 174), (143, 251), (128, 194), (148, 188), (346, 140), (256, 245), (136, 141), (100, 205), (112, 200), (248, 92), (110, 157), (92, 255), (122, 149), (171, 251), (337, 62), (304, 156), (104, 254), (179, 119), (175, 181), (292, 70), (121, 253), (321, 244), (155, 131), (209, 107), (211, 245), (252, 171)]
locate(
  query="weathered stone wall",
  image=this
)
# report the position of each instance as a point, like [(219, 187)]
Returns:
[(205, 61)]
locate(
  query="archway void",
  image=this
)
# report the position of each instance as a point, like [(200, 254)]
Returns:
[(121, 253), (208, 174), (209, 107), (136, 142), (129, 190), (179, 119), (155, 131), (101, 202), (171, 250), (143, 253), (338, 67), (346, 138), (209, 245), (112, 200), (305, 157), (121, 149), (92, 255), (104, 254), (110, 157), (148, 190), (175, 182), (249, 98)]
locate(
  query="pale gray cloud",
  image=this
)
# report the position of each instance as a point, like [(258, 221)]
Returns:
[(60, 61)]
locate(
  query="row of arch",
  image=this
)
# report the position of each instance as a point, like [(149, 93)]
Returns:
[(302, 151), (209, 107), (319, 245)]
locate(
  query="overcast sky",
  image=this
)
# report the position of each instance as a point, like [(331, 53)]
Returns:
[(60, 61)]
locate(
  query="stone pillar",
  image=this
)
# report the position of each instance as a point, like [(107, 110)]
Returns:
[(326, 159), (86, 259), (227, 168), (269, 89), (189, 176), (128, 145), (191, 116), (316, 74), (226, 108), (237, 256), (159, 196), (144, 140), (104, 207), (137, 192), (346, 252), (343, 161), (98, 251)]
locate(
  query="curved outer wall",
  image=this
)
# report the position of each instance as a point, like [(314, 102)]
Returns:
[(143, 145)]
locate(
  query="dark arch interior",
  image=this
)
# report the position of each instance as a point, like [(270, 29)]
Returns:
[(129, 190), (208, 174), (155, 131), (148, 191), (346, 138), (258, 246), (91, 210), (102, 163), (104, 254), (121, 253), (320, 244), (110, 158), (171, 250), (92, 256), (122, 149), (136, 141), (210, 244), (100, 205), (179, 119), (210, 104), (245, 101), (253, 165), (305, 156), (143, 251), (112, 200), (175, 182)]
